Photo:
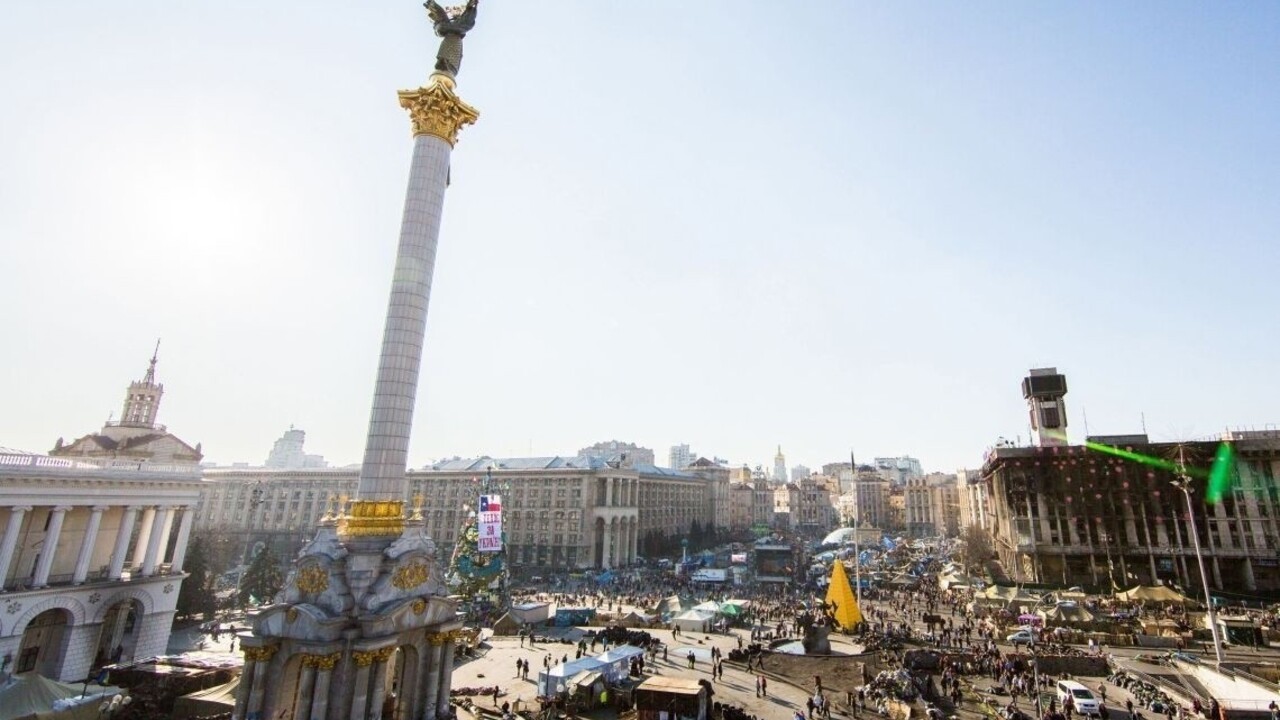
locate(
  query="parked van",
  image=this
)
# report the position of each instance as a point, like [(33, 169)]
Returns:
[(1086, 703)]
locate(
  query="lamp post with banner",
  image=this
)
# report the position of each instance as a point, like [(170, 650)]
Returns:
[(1184, 483)]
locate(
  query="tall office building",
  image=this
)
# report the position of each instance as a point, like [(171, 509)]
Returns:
[(288, 453), (680, 457), (779, 467)]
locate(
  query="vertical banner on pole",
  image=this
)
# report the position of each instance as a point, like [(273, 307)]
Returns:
[(490, 521)]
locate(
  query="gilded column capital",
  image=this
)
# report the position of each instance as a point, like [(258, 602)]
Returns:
[(365, 658), (444, 638), (260, 654), (321, 662), (437, 110)]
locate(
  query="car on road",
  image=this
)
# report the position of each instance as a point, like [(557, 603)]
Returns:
[(1085, 702), (1022, 637)]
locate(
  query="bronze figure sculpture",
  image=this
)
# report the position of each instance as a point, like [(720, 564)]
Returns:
[(451, 24)]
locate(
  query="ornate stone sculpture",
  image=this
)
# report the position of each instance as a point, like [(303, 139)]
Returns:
[(452, 25)]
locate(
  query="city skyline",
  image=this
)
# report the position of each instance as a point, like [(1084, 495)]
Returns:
[(885, 221)]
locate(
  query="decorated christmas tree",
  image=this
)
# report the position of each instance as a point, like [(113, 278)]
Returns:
[(471, 572)]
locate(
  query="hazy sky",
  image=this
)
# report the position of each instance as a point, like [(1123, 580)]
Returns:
[(828, 225)]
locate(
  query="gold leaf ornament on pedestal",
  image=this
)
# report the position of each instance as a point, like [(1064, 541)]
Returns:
[(411, 575), (312, 579)]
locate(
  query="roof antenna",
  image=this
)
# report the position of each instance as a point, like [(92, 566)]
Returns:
[(1143, 415)]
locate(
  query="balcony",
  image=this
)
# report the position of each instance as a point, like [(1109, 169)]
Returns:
[(98, 577)]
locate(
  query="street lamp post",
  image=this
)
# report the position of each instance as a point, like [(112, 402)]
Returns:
[(1184, 484)]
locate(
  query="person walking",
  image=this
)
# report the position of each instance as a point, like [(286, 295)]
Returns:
[(764, 686), (758, 681)]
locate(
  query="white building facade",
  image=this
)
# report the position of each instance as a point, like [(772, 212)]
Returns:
[(91, 556)]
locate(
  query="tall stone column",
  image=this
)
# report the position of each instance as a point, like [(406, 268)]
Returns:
[(446, 679), (122, 542), (50, 547), (165, 529), (88, 543), (258, 691), (432, 695), (378, 693), (360, 694), (144, 535), (246, 687), (306, 688), (324, 675), (438, 114), (10, 541), (156, 536), (184, 537)]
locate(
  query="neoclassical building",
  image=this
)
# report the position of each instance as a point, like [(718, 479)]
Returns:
[(93, 543), (91, 555), (559, 512)]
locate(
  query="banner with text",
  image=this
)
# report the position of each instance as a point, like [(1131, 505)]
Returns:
[(489, 522)]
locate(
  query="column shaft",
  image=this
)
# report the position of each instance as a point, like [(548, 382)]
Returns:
[(320, 703), (446, 680), (258, 692), (144, 536), (166, 528), (122, 542), (153, 542), (378, 694), (10, 541), (246, 688), (306, 691), (50, 547), (360, 696), (184, 537), (433, 681), (88, 543), (386, 448)]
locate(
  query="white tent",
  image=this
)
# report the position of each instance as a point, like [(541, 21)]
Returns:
[(708, 606), (694, 620), (31, 694), (613, 665), (556, 680)]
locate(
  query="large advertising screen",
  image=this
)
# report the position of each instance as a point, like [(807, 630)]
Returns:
[(773, 563)]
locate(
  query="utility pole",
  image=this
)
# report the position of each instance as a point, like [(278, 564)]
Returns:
[(857, 560)]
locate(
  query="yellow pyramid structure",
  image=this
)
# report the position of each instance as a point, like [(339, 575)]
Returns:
[(840, 592)]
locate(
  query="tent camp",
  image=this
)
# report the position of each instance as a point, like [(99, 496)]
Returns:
[(694, 620), (212, 701), (661, 697), (1153, 593), (614, 665), (532, 612), (1065, 614), (668, 606), (506, 625), (30, 695), (634, 620)]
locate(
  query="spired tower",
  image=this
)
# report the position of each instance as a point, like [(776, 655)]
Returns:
[(364, 628), (142, 402)]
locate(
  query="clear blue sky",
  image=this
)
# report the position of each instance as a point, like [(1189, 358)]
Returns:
[(825, 225)]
